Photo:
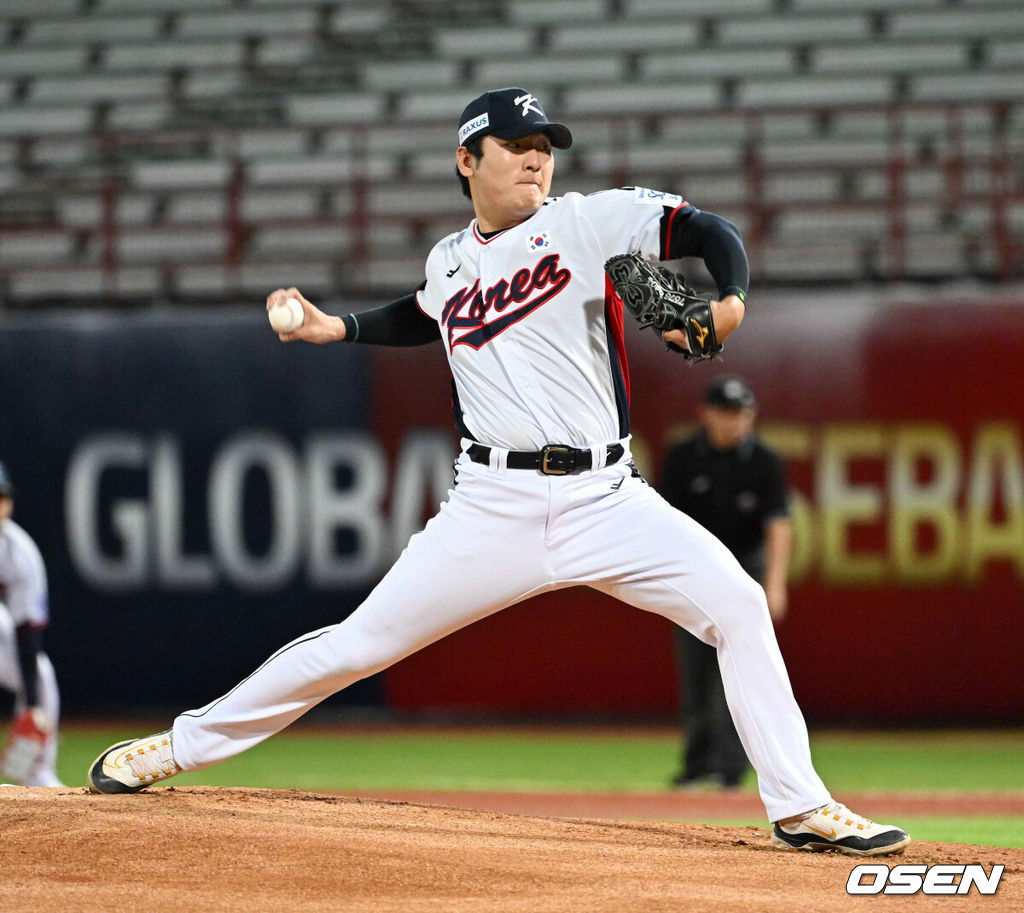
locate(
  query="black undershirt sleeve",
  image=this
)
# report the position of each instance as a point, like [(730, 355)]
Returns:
[(30, 644), (400, 323), (689, 232)]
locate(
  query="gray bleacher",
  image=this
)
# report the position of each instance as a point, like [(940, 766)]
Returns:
[(235, 143)]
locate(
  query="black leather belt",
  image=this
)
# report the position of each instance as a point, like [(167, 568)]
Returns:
[(553, 460)]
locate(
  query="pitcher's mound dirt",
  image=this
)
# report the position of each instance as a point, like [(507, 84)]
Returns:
[(202, 849)]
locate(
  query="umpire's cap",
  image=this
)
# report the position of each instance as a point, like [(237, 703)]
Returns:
[(509, 114), (6, 486), (729, 392)]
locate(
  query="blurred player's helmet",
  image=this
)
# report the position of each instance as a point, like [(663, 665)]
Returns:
[(6, 486), (729, 392)]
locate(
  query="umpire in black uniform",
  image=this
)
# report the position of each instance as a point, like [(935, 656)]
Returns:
[(735, 487)]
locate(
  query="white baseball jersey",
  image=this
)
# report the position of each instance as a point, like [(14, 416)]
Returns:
[(532, 328), (22, 577)]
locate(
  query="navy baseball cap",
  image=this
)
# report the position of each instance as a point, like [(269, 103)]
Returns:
[(509, 114), (729, 392), (6, 486)]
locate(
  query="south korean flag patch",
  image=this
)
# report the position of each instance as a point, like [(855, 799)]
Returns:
[(538, 240)]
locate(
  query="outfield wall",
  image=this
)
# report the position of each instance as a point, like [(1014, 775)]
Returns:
[(203, 493)]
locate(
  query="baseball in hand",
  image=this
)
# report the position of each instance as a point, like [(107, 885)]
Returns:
[(286, 317)]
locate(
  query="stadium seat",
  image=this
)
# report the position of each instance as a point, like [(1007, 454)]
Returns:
[(1008, 53), (320, 110), (628, 36), (16, 61), (317, 241), (179, 175), (819, 91), (800, 187), (838, 260), (36, 247), (169, 244), (19, 8), (149, 114), (468, 43), (812, 154), (80, 30), (396, 75), (392, 139), (966, 87), (791, 29), (829, 6), (677, 8), (943, 255), (62, 153), (388, 199), (80, 88), (195, 206), (85, 210), (44, 121), (92, 283), (671, 157), (167, 55), (901, 57), (159, 6), (655, 97), (252, 144), (749, 62), (242, 22), (327, 170), (425, 105), (545, 70), (266, 205), (289, 51), (351, 19), (543, 12), (978, 22)]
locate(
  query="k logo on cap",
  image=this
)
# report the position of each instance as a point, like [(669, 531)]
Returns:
[(527, 101)]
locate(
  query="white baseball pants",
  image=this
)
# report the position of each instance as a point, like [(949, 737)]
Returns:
[(502, 536)]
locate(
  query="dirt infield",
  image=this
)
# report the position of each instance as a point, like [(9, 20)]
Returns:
[(220, 849), (686, 805)]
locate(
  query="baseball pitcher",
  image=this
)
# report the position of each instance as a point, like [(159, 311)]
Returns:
[(528, 304)]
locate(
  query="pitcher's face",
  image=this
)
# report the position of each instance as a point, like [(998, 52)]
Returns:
[(510, 180)]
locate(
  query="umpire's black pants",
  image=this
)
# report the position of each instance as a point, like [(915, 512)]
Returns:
[(712, 746)]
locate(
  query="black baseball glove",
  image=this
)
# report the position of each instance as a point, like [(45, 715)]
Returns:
[(659, 298)]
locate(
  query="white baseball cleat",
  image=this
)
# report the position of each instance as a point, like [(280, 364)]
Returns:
[(835, 827), (130, 766)]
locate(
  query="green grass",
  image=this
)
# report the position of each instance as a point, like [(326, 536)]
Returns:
[(591, 760), (587, 760), (944, 760)]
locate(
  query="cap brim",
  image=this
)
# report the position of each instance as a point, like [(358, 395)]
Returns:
[(560, 136), (731, 404)]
